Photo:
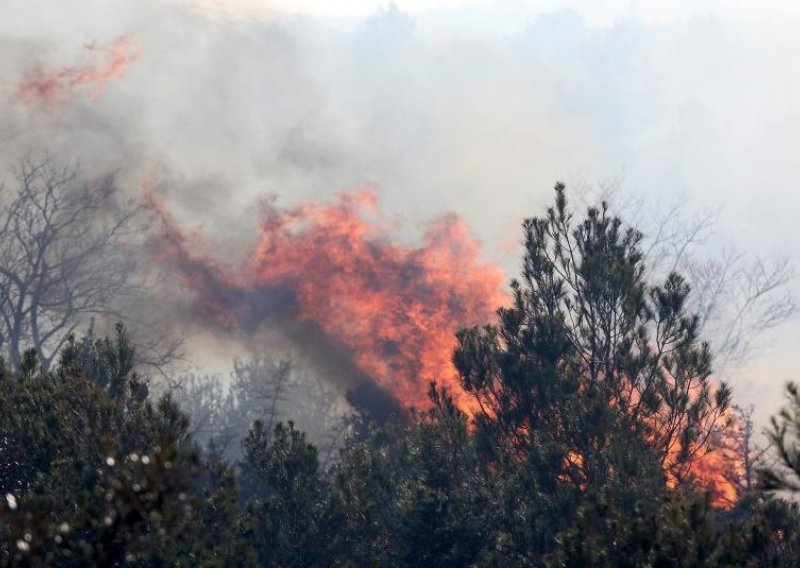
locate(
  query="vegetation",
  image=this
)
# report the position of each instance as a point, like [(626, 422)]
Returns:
[(68, 257), (593, 405)]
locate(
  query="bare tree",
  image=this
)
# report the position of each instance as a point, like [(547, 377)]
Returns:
[(740, 456), (271, 391), (738, 296), (67, 256)]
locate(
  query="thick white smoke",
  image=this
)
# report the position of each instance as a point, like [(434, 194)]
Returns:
[(225, 107)]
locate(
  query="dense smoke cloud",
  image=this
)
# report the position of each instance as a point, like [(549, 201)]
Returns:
[(223, 111)]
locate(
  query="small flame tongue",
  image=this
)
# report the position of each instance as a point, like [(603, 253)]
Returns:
[(53, 88)]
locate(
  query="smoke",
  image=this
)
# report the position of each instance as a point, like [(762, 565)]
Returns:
[(290, 107), (328, 278), (222, 107), (50, 89)]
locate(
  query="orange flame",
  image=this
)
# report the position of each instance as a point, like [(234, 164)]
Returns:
[(720, 470), (50, 89), (394, 308), (712, 473)]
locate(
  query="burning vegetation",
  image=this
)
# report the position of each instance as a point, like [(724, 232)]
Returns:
[(572, 419), (578, 427), (328, 273), (391, 309)]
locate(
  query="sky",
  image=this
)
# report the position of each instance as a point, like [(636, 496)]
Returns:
[(596, 12), (472, 107)]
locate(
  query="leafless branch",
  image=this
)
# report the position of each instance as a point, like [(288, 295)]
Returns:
[(68, 255)]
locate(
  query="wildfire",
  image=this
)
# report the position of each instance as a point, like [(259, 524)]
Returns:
[(50, 89), (392, 308), (717, 472), (721, 469)]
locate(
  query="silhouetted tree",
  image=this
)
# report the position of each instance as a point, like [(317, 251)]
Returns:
[(589, 339), (67, 256), (784, 436), (737, 296), (592, 398), (268, 390), (93, 473)]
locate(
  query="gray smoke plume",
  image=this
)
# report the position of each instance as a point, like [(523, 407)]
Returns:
[(221, 112)]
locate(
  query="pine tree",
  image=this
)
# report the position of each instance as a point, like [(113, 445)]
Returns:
[(591, 359)]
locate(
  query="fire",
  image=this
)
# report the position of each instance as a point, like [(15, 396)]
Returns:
[(721, 470), (50, 89), (714, 472), (716, 465), (393, 308)]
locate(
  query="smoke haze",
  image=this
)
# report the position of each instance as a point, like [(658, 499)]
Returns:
[(451, 109)]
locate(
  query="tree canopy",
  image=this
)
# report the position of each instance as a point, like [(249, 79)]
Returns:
[(594, 399)]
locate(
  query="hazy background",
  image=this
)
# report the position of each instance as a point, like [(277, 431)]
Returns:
[(472, 107)]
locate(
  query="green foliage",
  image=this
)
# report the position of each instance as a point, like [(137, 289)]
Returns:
[(593, 398), (286, 520), (784, 436), (414, 495), (591, 358), (93, 473)]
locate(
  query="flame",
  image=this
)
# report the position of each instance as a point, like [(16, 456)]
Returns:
[(393, 308), (716, 466), (712, 472), (721, 470), (50, 89)]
